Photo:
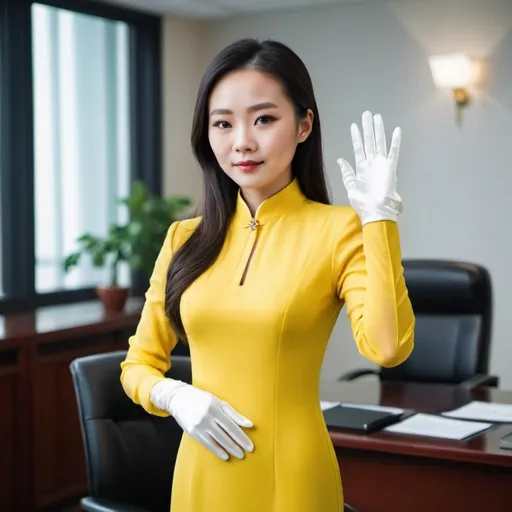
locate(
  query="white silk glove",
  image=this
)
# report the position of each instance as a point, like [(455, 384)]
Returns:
[(213, 422), (372, 187)]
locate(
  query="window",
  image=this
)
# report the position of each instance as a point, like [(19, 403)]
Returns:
[(80, 118), (1, 273), (81, 138), (1, 266)]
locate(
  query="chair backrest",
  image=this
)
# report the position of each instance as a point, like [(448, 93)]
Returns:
[(130, 454), (452, 302)]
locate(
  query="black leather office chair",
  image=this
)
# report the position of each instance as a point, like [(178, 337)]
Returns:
[(129, 453), (452, 302)]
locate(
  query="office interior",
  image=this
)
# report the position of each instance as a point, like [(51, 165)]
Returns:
[(96, 106)]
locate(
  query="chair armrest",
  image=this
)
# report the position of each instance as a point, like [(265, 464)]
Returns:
[(480, 380), (355, 374), (101, 505), (348, 508)]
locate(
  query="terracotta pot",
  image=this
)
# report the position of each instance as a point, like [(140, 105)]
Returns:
[(113, 299)]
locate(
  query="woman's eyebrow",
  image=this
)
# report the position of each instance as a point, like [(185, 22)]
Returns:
[(253, 108)]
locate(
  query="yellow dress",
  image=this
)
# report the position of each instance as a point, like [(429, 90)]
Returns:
[(258, 327)]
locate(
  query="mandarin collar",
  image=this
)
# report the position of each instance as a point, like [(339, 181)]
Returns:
[(275, 206)]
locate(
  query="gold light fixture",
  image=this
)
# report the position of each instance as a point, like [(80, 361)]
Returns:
[(457, 72)]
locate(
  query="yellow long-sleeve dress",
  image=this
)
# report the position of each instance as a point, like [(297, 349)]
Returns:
[(258, 323)]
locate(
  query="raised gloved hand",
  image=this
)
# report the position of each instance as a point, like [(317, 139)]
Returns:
[(213, 422), (372, 187)]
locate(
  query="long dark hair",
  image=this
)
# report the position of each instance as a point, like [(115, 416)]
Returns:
[(203, 246)]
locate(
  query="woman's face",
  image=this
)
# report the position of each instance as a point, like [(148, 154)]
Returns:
[(254, 131)]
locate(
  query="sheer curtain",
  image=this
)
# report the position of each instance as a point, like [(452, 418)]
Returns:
[(81, 132)]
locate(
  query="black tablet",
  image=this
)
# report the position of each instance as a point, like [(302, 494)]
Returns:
[(359, 419)]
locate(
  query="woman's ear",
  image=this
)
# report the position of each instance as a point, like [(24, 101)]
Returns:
[(305, 126)]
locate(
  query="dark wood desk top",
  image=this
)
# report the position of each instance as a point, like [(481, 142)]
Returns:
[(427, 398), (51, 323)]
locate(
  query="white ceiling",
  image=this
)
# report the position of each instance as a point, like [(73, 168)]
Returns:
[(206, 9)]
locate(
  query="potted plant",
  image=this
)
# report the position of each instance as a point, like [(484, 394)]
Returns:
[(138, 242)]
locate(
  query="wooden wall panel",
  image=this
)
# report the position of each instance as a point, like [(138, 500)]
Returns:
[(59, 456), (8, 413)]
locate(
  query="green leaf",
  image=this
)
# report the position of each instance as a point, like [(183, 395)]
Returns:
[(89, 242), (71, 261), (136, 261), (98, 259)]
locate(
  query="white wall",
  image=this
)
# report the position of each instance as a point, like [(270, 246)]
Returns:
[(455, 181)]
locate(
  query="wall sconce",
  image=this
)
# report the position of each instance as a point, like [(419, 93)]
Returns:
[(457, 72)]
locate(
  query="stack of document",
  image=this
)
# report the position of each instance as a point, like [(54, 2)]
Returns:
[(483, 411), (449, 425), (431, 425)]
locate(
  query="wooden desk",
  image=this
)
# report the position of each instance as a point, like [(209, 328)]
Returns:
[(41, 451), (385, 472)]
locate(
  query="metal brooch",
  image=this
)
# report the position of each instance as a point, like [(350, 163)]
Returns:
[(253, 224)]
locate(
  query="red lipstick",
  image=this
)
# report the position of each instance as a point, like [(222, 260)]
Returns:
[(248, 165)]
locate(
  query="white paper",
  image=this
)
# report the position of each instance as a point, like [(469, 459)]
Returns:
[(381, 408), (328, 405), (436, 426), (486, 411)]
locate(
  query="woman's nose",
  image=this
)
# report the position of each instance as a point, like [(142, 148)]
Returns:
[(245, 141)]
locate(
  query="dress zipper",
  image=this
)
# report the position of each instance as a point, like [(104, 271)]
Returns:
[(253, 226)]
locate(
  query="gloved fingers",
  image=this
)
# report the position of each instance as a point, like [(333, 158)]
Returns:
[(380, 136), (206, 440), (235, 432), (394, 149), (369, 135), (226, 442), (357, 142), (235, 416), (348, 174)]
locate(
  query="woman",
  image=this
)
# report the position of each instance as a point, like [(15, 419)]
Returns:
[(256, 283)]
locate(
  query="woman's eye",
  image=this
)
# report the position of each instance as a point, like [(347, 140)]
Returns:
[(265, 119), (221, 124)]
